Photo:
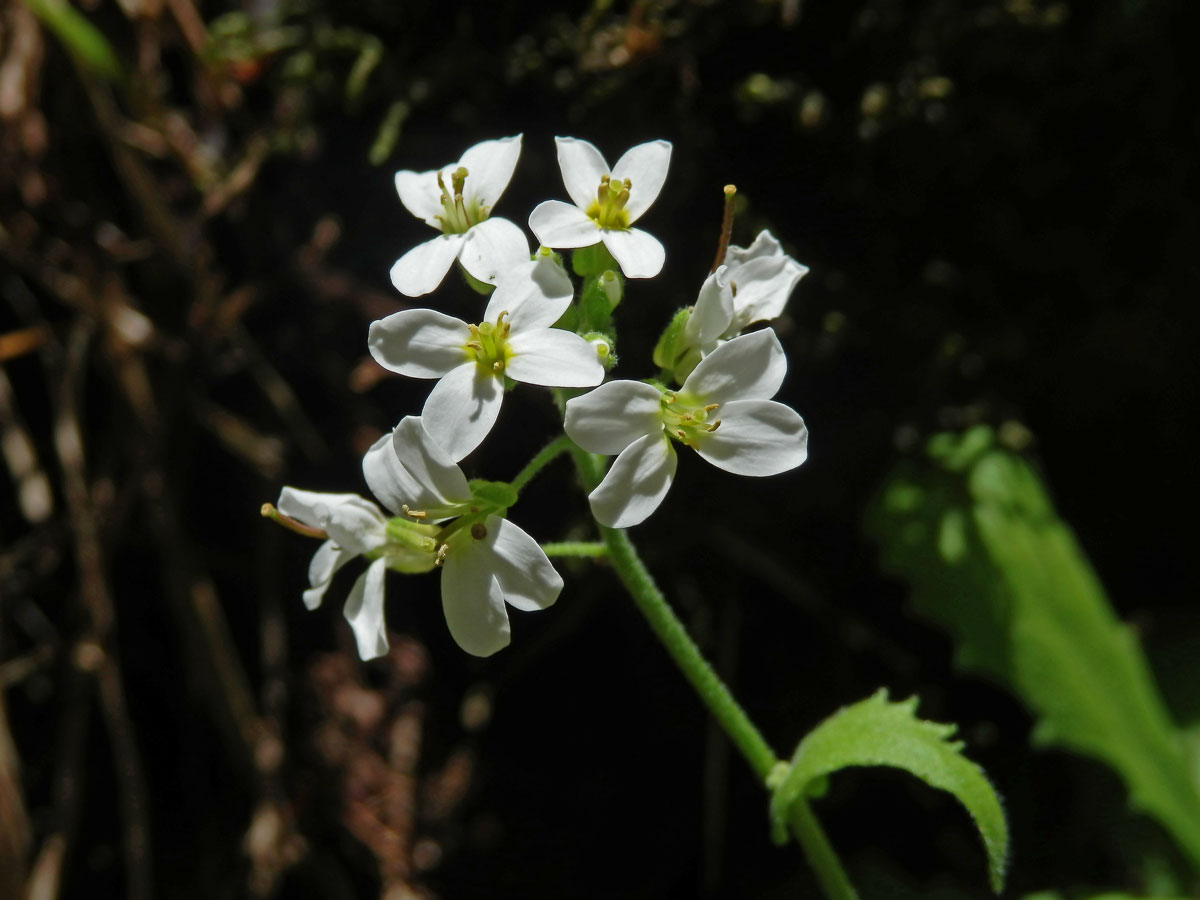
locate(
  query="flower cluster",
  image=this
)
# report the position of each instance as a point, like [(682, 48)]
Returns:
[(536, 329)]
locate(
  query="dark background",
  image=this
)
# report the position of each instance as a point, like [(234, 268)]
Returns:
[(997, 201)]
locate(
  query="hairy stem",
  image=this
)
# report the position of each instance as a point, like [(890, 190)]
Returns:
[(712, 690), (543, 458), (819, 852), (587, 549)]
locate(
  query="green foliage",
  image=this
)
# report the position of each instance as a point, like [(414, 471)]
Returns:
[(973, 531), (79, 36), (875, 732)]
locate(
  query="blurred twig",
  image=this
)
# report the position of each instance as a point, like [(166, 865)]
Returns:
[(93, 658)]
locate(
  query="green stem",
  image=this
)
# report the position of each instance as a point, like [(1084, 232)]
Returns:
[(544, 457), (679, 644), (575, 548), (712, 690), (819, 852)]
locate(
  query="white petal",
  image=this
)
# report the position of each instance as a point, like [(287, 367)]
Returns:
[(420, 194), (419, 343), (558, 224), (582, 166), (473, 602), (492, 248), (526, 576), (354, 524), (764, 246), (462, 408), (613, 416), (763, 287), (364, 611), (408, 467), (713, 310), (309, 507), (636, 484), (639, 253), (490, 166), (325, 564), (756, 437), (554, 358), (750, 367), (646, 168), (385, 476), (434, 478), (422, 268), (534, 294)]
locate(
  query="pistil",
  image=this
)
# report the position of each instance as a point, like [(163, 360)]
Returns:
[(457, 216)]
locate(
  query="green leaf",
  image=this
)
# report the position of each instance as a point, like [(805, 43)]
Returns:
[(875, 732), (973, 531), (79, 36)]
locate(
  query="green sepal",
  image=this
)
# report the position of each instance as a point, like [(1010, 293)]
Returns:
[(411, 547), (876, 732), (672, 345), (479, 287), (592, 260), (569, 320), (492, 496)]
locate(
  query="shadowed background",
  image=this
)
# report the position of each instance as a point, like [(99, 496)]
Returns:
[(997, 203)]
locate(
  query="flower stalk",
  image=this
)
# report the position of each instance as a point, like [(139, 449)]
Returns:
[(712, 691)]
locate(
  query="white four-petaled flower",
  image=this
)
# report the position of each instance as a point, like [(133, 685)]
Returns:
[(723, 411), (761, 277), (356, 527), (486, 560), (515, 339), (752, 286), (457, 200), (607, 203)]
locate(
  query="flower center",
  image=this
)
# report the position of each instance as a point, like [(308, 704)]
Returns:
[(411, 546), (687, 424), (608, 209), (458, 214), (488, 345)]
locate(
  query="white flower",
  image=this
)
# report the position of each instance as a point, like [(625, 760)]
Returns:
[(356, 527), (514, 340), (723, 411), (486, 560), (457, 200), (761, 277), (752, 286), (607, 202)]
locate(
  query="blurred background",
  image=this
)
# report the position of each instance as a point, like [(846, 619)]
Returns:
[(998, 203)]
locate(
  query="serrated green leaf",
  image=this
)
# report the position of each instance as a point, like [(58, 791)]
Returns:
[(976, 536), (79, 36), (876, 732)]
